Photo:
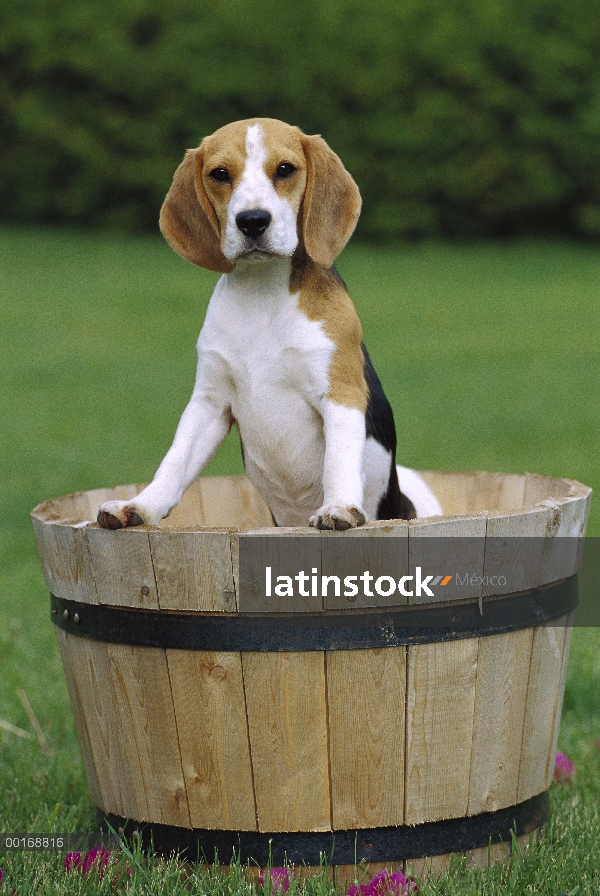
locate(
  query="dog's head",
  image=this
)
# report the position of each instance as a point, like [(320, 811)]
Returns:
[(256, 189)]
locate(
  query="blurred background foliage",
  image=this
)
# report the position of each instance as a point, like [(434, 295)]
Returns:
[(457, 118)]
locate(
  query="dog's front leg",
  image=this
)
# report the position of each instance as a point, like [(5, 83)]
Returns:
[(201, 430), (343, 469)]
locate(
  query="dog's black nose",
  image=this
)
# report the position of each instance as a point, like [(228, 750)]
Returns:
[(253, 223)]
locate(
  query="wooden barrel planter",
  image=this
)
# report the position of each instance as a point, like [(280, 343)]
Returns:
[(339, 731)]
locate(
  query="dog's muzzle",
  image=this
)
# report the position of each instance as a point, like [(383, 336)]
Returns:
[(253, 223)]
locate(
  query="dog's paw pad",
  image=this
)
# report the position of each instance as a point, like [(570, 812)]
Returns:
[(338, 517), (108, 520), (118, 515)]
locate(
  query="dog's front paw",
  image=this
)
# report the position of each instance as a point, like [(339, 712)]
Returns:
[(118, 514), (332, 516)]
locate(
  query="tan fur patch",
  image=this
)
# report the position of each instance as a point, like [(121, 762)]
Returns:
[(324, 298), (331, 205), (186, 221)]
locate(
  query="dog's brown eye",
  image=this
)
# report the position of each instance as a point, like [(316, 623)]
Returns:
[(284, 170), (220, 174)]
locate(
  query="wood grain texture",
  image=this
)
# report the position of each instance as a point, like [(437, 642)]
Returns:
[(368, 548), (189, 513), (473, 492), (143, 711), (288, 549), (568, 623), (514, 548), (500, 696), (80, 694), (366, 699), (210, 711), (447, 547), (122, 565), (232, 501), (440, 698), (66, 560), (287, 722), (563, 549), (538, 488), (542, 707), (193, 570), (87, 670)]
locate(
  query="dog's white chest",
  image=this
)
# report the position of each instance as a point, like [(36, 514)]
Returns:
[(273, 362)]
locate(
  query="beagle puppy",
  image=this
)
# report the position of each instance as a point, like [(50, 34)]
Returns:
[(280, 353)]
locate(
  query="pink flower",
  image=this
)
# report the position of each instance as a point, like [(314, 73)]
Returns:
[(72, 861), (1, 874), (95, 857), (564, 769), (280, 878), (386, 884)]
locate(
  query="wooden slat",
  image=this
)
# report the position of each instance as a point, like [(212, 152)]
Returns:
[(87, 670), (82, 508), (122, 565), (502, 674), (543, 702), (429, 867), (568, 623), (367, 548), (193, 570), (66, 560), (208, 695), (448, 547), (440, 698), (486, 856), (126, 729), (74, 665), (287, 721), (568, 522), (366, 697), (189, 513), (513, 551), (538, 488), (289, 549), (233, 501), (474, 492), (143, 710)]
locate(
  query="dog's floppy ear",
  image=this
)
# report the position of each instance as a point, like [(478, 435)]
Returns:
[(331, 203), (187, 220)]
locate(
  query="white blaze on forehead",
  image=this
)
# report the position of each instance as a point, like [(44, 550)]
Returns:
[(256, 191), (256, 153)]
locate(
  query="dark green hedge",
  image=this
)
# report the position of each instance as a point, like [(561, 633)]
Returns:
[(456, 117)]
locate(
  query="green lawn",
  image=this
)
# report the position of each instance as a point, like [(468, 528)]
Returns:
[(490, 357)]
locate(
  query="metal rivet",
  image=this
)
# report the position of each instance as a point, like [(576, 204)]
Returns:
[(145, 590), (66, 614), (76, 618)]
